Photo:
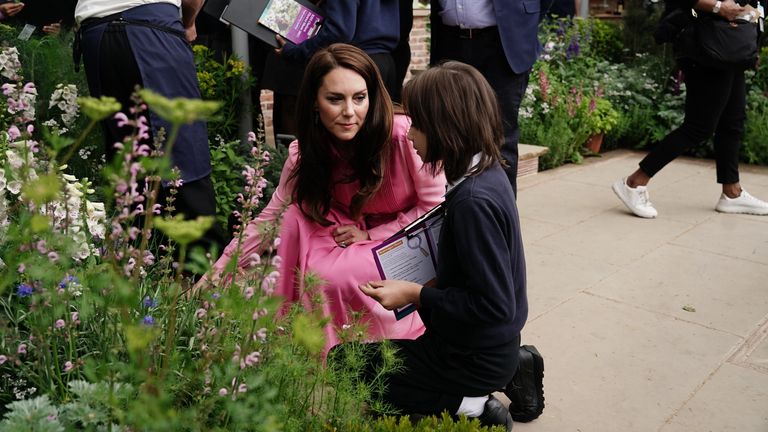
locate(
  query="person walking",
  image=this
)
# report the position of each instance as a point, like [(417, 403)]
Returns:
[(715, 103)]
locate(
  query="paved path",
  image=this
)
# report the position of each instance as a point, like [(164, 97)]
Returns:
[(607, 292)]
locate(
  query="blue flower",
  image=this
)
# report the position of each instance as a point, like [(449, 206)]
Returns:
[(69, 281), (148, 320), (24, 290), (215, 296), (149, 302)]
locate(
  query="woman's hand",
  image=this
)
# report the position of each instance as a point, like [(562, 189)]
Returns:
[(280, 44), (348, 234), (393, 294), (11, 9), (730, 10)]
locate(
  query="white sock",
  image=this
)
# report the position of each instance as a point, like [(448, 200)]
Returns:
[(472, 406)]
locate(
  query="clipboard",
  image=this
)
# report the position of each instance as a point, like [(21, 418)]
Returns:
[(411, 253), (245, 14)]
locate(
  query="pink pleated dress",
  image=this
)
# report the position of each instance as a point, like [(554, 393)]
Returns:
[(408, 191)]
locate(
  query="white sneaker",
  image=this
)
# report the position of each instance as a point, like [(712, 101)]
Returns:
[(744, 203), (636, 199)]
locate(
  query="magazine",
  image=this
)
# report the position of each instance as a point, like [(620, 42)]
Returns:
[(291, 20)]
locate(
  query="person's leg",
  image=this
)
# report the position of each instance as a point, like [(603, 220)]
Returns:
[(704, 104), (729, 133), (112, 71), (728, 136), (402, 52), (386, 66), (196, 198)]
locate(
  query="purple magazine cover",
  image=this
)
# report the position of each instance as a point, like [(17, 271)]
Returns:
[(291, 20)]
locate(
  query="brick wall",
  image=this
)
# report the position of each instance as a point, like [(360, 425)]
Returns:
[(419, 60)]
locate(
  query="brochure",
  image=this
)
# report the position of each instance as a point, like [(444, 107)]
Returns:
[(291, 20), (411, 253), (246, 15)]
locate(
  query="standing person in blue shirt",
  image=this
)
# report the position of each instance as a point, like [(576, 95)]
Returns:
[(371, 25), (478, 306), (499, 38)]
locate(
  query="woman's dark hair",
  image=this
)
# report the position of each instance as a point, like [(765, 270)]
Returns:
[(369, 150), (457, 110)]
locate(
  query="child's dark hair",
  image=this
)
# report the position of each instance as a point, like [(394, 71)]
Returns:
[(457, 110)]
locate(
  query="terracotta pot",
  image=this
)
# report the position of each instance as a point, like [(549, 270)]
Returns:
[(594, 142)]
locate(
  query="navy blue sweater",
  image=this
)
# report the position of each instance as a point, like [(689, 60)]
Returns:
[(480, 298), (373, 26)]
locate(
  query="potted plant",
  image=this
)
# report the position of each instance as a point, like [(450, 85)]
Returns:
[(599, 118)]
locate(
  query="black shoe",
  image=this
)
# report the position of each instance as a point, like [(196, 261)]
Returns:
[(495, 414), (526, 390)]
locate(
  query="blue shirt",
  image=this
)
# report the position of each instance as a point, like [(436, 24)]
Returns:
[(471, 14)]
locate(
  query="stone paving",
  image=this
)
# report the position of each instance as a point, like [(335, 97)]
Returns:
[(646, 325)]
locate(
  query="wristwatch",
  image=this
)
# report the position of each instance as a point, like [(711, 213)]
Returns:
[(716, 9)]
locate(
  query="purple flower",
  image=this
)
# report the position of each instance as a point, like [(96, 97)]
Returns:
[(215, 296), (3, 359), (148, 320), (21, 349), (60, 324), (24, 290), (150, 302)]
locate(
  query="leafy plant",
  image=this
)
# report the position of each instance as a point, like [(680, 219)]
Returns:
[(599, 116)]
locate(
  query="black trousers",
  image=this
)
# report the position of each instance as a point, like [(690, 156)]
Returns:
[(117, 75), (485, 53), (715, 102), (437, 375), (386, 65)]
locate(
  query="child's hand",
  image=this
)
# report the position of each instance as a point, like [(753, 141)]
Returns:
[(392, 294)]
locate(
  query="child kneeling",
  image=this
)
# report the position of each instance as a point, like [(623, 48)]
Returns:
[(476, 310)]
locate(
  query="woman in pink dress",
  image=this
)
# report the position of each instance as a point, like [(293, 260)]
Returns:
[(352, 179)]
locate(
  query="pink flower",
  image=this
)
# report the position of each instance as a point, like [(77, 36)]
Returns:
[(200, 313), (75, 317), (68, 366), (22, 349), (262, 334), (21, 268), (248, 293), (276, 243), (30, 129), (242, 388), (252, 358), (60, 324), (3, 359), (122, 119), (251, 136), (53, 256), (13, 133), (223, 391)]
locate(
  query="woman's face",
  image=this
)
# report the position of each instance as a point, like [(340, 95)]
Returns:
[(342, 103), (419, 140)]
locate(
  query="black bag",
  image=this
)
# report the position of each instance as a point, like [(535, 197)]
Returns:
[(715, 42), (671, 24), (733, 42), (526, 390)]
